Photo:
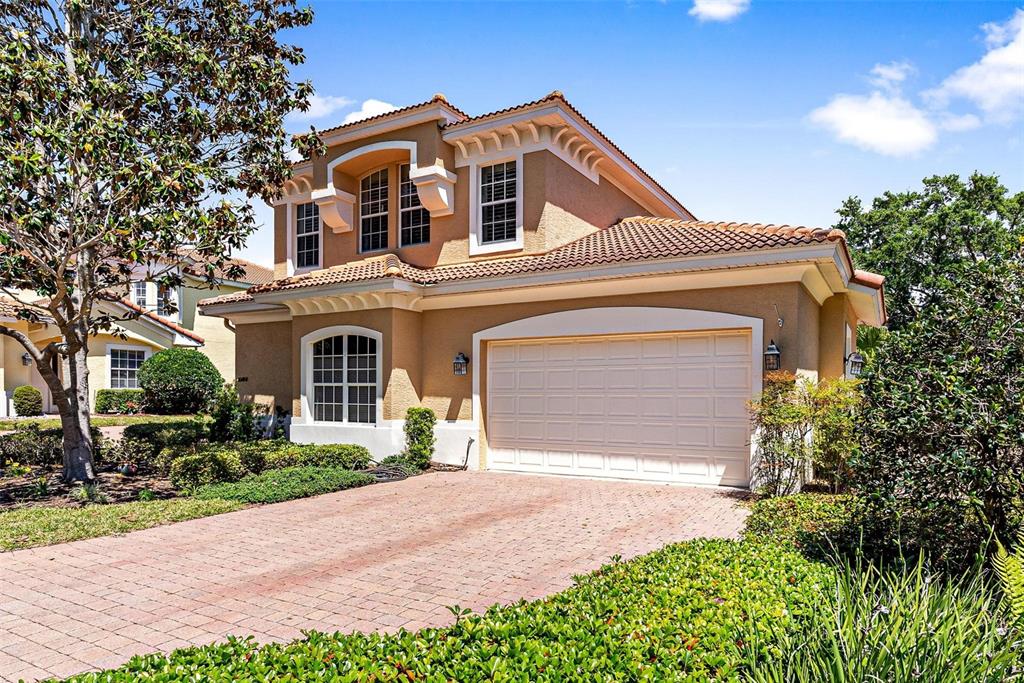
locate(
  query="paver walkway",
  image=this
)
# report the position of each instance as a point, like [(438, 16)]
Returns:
[(379, 557)]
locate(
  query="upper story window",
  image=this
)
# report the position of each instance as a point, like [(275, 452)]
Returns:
[(307, 236), (373, 211), (498, 202), (140, 294), (414, 223), (164, 300)]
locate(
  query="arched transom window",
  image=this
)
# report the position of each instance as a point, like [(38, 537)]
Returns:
[(345, 379)]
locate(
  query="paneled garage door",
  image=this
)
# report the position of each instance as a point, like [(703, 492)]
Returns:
[(665, 407)]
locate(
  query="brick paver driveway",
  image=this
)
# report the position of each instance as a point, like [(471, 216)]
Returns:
[(379, 557)]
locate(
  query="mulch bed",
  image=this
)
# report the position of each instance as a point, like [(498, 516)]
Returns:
[(19, 492)]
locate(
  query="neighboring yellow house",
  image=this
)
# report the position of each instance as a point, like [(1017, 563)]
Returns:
[(114, 360), (555, 306)]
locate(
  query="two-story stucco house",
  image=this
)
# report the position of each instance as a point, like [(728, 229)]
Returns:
[(557, 308), (162, 319)]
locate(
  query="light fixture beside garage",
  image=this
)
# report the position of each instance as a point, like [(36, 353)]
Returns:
[(461, 363), (772, 357), (854, 364), (26, 359)]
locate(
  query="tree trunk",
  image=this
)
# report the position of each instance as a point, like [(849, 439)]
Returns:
[(74, 418)]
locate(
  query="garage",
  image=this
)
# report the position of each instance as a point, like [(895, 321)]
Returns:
[(660, 407)]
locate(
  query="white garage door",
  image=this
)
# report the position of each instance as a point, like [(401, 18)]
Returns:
[(665, 407)]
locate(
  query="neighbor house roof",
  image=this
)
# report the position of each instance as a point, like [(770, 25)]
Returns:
[(160, 320), (637, 239), (255, 274), (9, 308)]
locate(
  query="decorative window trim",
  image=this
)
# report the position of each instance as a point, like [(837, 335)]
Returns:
[(146, 353), (387, 212), (404, 210), (293, 238), (306, 370), (476, 244)]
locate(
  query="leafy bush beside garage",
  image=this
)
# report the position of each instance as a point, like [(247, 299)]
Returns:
[(685, 612), (275, 486)]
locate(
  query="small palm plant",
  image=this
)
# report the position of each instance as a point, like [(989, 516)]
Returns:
[(1010, 568)]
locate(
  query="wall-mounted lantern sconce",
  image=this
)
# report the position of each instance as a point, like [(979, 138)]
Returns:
[(854, 364), (26, 359), (461, 363), (772, 357)]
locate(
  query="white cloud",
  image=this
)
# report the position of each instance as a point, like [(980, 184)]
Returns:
[(891, 76), (321, 106), (995, 83), (958, 124), (887, 124), (718, 10), (369, 108)]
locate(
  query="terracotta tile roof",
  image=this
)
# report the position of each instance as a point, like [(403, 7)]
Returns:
[(637, 239), (9, 308), (873, 280), (437, 98), (161, 320), (556, 95), (255, 274)]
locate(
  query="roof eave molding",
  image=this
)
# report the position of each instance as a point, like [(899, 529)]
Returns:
[(575, 140)]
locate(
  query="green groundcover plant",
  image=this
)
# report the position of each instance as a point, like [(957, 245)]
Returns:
[(682, 613), (274, 486)]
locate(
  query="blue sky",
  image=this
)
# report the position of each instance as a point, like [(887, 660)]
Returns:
[(745, 110)]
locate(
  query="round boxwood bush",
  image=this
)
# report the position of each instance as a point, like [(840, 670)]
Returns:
[(28, 401), (178, 381)]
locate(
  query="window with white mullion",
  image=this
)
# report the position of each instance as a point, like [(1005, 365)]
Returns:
[(141, 298), (414, 223), (124, 368), (498, 202), (307, 236), (345, 379), (373, 211)]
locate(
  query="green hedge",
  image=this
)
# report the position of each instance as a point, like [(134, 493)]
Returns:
[(815, 522), (28, 401), (274, 486), (685, 612), (211, 463), (119, 401), (178, 380)]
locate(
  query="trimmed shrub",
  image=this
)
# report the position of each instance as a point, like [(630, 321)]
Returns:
[(344, 456), (814, 522), (419, 436), (686, 612), (234, 419), (30, 445), (781, 418), (28, 401), (205, 466), (180, 433), (402, 463), (178, 381), (119, 401), (834, 411), (274, 486)]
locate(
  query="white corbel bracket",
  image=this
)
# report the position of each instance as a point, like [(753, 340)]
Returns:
[(436, 188), (336, 207)]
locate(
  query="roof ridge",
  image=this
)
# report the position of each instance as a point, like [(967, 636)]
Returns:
[(436, 98), (831, 234), (162, 320)]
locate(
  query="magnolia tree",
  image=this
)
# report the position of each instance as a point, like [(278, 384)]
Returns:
[(131, 133)]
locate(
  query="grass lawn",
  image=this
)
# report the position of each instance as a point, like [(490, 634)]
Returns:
[(29, 527), (8, 425)]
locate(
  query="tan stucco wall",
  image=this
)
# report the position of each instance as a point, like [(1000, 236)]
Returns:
[(418, 348), (263, 362), (559, 204), (836, 314)]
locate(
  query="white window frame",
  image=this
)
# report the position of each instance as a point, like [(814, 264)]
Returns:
[(847, 349), (402, 211), (293, 239), (145, 292), (386, 213), (476, 244), (146, 353), (306, 392)]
